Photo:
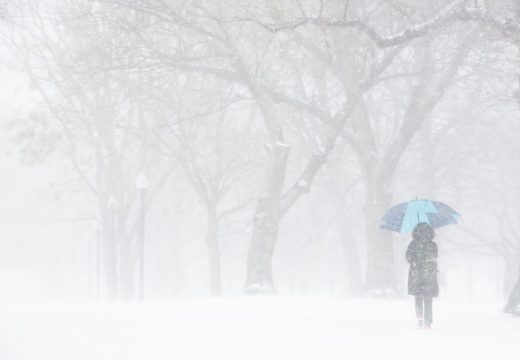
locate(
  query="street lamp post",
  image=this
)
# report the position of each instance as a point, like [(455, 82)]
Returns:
[(142, 185), (94, 254)]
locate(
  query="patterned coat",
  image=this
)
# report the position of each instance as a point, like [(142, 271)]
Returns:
[(422, 276)]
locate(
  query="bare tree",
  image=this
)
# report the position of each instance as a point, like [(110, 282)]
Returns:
[(94, 119), (217, 149)]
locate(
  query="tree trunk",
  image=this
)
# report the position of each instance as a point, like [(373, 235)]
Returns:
[(354, 279), (110, 257), (427, 187), (510, 275), (127, 262), (514, 298), (259, 278), (380, 275), (213, 251)]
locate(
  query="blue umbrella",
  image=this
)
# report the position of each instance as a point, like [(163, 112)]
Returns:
[(405, 216)]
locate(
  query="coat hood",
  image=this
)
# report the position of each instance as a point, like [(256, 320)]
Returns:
[(423, 232)]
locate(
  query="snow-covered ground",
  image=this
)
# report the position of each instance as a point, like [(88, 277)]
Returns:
[(256, 328)]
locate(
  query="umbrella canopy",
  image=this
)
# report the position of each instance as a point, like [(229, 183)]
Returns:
[(405, 216)]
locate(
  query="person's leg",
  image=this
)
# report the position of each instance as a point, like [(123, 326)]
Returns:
[(419, 309), (428, 311)]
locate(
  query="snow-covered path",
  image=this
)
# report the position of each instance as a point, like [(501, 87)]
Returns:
[(256, 328)]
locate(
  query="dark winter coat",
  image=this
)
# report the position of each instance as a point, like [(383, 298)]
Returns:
[(422, 257)]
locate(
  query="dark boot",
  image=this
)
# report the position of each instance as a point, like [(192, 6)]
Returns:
[(419, 310), (428, 312)]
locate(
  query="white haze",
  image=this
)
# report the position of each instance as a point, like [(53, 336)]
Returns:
[(255, 123)]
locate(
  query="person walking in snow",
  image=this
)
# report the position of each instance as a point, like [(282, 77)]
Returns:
[(422, 254)]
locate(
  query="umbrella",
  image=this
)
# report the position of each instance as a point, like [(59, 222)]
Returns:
[(405, 216)]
